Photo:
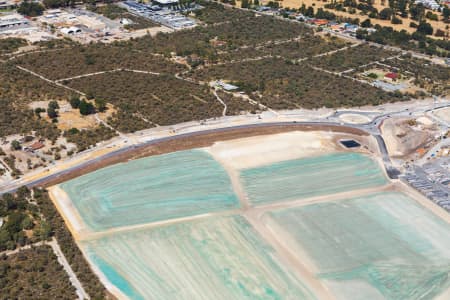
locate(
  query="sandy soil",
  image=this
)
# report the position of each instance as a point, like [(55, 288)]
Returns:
[(402, 139), (427, 122), (238, 149), (354, 119), (263, 150), (72, 119), (67, 210), (443, 114)]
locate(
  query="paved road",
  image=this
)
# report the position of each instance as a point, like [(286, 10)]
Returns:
[(14, 185)]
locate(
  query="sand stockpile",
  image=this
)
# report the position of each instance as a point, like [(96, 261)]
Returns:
[(263, 150), (402, 138)]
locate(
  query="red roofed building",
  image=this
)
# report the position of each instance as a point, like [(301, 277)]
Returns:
[(391, 75), (36, 146), (320, 22)]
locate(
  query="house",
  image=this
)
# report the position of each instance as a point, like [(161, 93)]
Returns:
[(36, 146), (391, 76), (430, 4), (351, 28), (125, 21), (226, 86), (320, 22)]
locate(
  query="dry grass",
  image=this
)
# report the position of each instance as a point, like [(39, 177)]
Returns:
[(377, 4)]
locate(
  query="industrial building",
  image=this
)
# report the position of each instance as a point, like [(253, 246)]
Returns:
[(163, 3), (13, 21)]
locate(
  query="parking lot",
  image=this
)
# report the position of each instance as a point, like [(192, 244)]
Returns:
[(170, 17), (432, 180)]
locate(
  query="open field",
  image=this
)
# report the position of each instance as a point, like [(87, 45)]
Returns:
[(309, 177), (380, 246), (207, 259), (160, 188)]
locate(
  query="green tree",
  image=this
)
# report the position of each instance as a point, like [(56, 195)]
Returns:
[(51, 112), (86, 108), (425, 28), (15, 145), (53, 104), (45, 230), (366, 23), (100, 104), (75, 101), (417, 11), (446, 14), (386, 13), (30, 9)]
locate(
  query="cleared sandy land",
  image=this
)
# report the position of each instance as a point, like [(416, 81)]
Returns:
[(443, 114), (170, 247), (263, 150), (403, 139), (378, 246), (354, 119)]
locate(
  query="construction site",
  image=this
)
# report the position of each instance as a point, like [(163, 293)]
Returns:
[(247, 209)]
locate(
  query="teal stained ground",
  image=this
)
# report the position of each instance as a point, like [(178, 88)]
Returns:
[(309, 177), (151, 189), (214, 258), (386, 239)]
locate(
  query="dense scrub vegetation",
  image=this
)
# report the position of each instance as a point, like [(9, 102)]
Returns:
[(213, 13), (14, 120), (10, 45), (280, 85), (309, 45), (94, 58), (79, 265), (144, 101), (86, 138), (34, 274), (352, 58), (236, 105), (125, 121), (22, 221), (234, 33), (162, 100), (19, 86)]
